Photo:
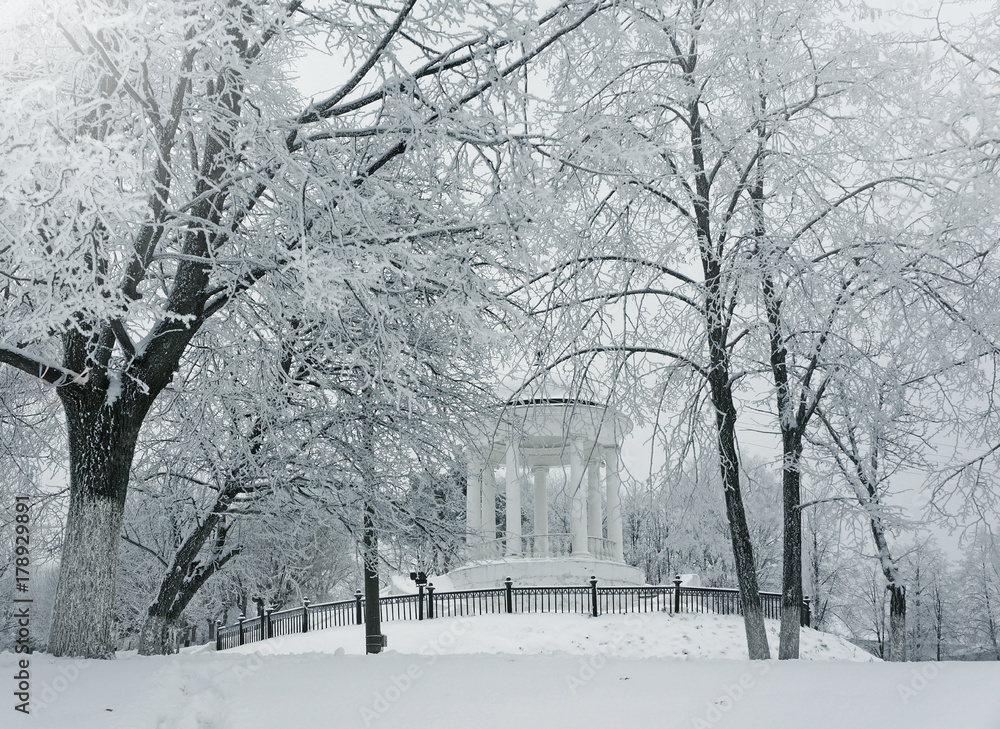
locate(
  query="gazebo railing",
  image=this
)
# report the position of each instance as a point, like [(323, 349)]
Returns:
[(538, 546), (592, 600), (486, 551), (547, 545), (600, 548)]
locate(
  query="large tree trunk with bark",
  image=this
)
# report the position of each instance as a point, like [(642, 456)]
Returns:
[(84, 602), (154, 638), (102, 439), (104, 414)]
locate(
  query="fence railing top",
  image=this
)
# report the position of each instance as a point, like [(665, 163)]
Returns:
[(700, 588), (443, 593), (552, 587), (312, 606)]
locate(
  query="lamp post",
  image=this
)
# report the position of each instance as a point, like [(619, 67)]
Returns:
[(421, 579), (374, 640)]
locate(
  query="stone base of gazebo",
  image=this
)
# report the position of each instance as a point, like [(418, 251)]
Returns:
[(545, 572)]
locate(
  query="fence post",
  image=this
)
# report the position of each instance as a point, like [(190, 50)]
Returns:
[(677, 593), (508, 583), (420, 602), (241, 619), (267, 618), (806, 612), (593, 595), (360, 615), (430, 600), (305, 615), (218, 635)]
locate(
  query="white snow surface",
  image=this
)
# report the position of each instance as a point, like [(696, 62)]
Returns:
[(653, 671), (640, 635)]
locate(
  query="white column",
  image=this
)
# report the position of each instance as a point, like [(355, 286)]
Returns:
[(578, 493), (489, 525), (613, 483), (473, 501), (541, 547), (513, 501), (595, 526)]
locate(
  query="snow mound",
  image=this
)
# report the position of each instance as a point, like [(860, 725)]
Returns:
[(632, 636)]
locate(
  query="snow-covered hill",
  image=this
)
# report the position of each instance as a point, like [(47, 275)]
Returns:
[(548, 671), (643, 635)]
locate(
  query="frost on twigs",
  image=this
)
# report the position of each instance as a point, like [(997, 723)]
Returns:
[(173, 211)]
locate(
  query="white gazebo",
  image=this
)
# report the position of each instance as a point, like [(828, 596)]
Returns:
[(528, 441)]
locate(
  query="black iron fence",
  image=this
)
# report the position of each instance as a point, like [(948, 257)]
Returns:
[(592, 600)]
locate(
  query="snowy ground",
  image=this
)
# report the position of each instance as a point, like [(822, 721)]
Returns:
[(506, 671), (643, 635)]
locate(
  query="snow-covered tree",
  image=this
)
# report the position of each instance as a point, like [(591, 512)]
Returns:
[(725, 181), (932, 601), (979, 587), (160, 172), (676, 523), (762, 191)]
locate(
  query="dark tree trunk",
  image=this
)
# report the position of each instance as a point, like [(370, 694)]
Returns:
[(103, 419), (793, 417), (719, 304), (721, 389), (791, 573), (720, 386), (746, 573), (938, 620), (897, 622), (897, 592), (792, 425), (184, 577), (791, 429), (373, 617)]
